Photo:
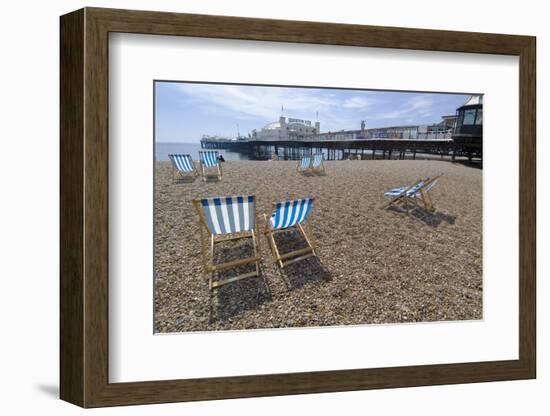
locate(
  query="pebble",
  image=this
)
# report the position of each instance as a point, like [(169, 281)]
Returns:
[(373, 264)]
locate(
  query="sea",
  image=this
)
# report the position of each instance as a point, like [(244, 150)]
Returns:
[(163, 149)]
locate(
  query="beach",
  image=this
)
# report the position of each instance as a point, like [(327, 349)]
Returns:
[(374, 266)]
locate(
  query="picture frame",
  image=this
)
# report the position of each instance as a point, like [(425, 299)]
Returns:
[(84, 216)]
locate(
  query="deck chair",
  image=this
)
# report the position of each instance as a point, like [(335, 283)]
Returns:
[(317, 165), (182, 167), (304, 166), (209, 160), (224, 219), (416, 195), (286, 216)]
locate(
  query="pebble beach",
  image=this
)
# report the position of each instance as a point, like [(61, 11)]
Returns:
[(374, 266)]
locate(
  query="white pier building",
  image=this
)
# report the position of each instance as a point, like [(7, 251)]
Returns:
[(287, 129)]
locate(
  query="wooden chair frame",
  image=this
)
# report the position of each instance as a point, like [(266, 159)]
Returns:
[(304, 171), (204, 173), (320, 169), (178, 175), (285, 259), (209, 241), (421, 199)]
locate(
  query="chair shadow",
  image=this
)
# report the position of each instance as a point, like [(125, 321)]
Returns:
[(433, 219), (310, 270), (240, 296), (296, 275), (190, 179), (211, 178)]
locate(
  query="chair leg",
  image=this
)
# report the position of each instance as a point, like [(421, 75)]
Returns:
[(208, 274), (176, 175), (393, 201), (211, 269), (430, 205), (414, 203), (181, 176), (211, 307), (309, 240), (256, 250), (274, 251), (287, 258), (425, 203), (212, 272)]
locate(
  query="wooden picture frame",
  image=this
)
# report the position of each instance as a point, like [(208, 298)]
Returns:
[(84, 207)]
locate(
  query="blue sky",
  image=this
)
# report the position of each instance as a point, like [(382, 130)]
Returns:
[(186, 111)]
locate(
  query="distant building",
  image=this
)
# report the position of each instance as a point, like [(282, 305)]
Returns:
[(470, 118), (468, 132), (340, 135), (449, 121), (295, 129), (394, 132), (287, 129)]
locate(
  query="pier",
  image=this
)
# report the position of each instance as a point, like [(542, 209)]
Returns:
[(377, 148)]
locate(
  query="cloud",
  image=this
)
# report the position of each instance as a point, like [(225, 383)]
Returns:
[(263, 102), (338, 109), (356, 102), (417, 106)]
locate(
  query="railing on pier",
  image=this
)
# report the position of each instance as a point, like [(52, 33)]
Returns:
[(373, 148)]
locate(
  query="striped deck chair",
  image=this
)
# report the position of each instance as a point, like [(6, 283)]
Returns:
[(416, 195), (182, 167), (209, 160), (317, 165), (223, 219), (304, 166), (286, 216)]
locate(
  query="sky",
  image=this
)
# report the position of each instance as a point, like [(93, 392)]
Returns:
[(186, 111)]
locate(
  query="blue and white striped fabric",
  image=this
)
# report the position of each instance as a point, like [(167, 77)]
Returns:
[(317, 160), (290, 213), (182, 162), (231, 214), (304, 164), (430, 186), (209, 158), (410, 192)]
